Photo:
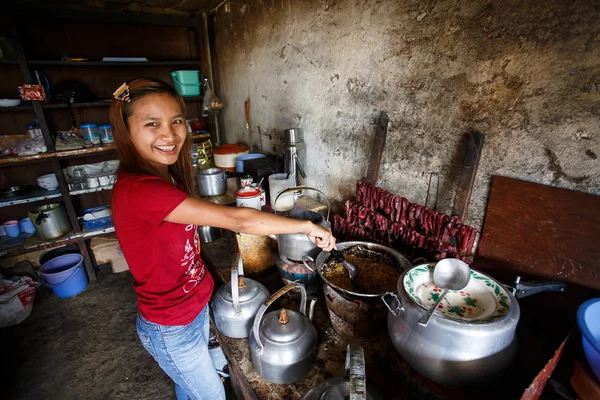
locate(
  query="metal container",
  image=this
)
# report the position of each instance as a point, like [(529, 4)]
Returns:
[(209, 233), (447, 351), (295, 246), (351, 313), (352, 386), (294, 154), (50, 220), (283, 343), (235, 304), (212, 182)]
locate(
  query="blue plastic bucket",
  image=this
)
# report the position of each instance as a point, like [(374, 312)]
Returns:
[(239, 160), (65, 275), (187, 82)]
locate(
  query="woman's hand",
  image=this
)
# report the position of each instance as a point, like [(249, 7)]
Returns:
[(321, 237)]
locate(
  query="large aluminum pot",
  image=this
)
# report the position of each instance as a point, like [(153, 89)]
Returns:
[(235, 304), (50, 220), (447, 351), (283, 343), (294, 246), (212, 182)]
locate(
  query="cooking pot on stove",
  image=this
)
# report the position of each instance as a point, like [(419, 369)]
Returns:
[(456, 348), (235, 304), (283, 343), (294, 246)]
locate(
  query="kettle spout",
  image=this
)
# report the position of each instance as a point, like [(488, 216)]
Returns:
[(311, 308)]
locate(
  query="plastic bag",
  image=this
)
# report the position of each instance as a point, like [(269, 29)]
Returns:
[(16, 299), (211, 105)]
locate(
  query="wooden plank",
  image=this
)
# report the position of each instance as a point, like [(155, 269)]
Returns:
[(377, 149), (541, 231), (467, 175)]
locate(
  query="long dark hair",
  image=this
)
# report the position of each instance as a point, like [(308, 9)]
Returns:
[(130, 160)]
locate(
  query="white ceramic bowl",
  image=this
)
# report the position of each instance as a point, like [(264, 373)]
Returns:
[(48, 182), (9, 102)]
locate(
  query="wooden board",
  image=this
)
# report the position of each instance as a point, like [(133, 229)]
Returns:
[(543, 231), (467, 175)]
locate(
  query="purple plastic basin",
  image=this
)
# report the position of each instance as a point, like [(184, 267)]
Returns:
[(588, 319)]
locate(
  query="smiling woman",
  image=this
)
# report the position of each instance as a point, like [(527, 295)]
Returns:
[(156, 214)]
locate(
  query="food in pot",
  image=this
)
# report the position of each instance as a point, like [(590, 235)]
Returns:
[(374, 276)]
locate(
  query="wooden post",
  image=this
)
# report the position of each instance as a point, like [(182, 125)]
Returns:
[(467, 175), (377, 149)]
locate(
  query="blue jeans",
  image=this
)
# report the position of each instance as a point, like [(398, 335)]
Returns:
[(182, 352)]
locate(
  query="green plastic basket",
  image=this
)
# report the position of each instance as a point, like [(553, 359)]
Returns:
[(187, 82)]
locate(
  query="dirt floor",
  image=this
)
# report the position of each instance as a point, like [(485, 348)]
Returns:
[(84, 347)]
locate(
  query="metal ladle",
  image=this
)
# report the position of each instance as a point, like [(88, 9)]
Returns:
[(352, 269), (448, 274)]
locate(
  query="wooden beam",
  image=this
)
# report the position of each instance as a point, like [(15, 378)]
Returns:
[(377, 149), (467, 175)]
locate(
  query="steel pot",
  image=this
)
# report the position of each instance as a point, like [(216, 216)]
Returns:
[(213, 181), (50, 220), (452, 352), (209, 233), (294, 246), (283, 343), (351, 313), (353, 386), (235, 304)]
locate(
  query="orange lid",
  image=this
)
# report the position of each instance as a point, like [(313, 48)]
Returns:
[(247, 192), (230, 148)]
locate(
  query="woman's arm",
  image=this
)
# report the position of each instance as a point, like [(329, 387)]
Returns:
[(247, 220)]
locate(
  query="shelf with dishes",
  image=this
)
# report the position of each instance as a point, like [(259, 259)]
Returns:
[(10, 247), (30, 195), (123, 63)]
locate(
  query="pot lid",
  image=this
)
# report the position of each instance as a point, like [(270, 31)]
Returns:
[(248, 192), (230, 148), (249, 290), (283, 326), (482, 301)]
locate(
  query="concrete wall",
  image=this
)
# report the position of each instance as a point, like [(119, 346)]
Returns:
[(525, 73)]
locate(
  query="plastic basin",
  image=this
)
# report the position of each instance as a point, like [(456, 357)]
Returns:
[(588, 319)]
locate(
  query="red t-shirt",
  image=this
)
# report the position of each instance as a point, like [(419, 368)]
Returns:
[(171, 280)]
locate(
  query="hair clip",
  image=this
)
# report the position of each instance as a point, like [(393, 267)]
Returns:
[(122, 93)]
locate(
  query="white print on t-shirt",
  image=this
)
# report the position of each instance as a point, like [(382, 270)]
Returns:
[(191, 260)]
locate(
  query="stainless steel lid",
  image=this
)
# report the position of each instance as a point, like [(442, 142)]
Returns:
[(274, 329), (294, 135), (247, 293), (211, 171)]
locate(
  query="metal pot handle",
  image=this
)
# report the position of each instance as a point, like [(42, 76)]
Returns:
[(355, 370), (235, 291), (293, 189), (399, 308), (263, 308), (419, 261), (306, 259), (40, 218)]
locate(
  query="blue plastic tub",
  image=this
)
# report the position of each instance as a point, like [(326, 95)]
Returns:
[(588, 319), (239, 160), (65, 275)]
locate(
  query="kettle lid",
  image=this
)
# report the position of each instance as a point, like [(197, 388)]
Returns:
[(248, 290), (283, 326)]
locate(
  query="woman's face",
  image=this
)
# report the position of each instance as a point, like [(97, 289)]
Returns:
[(157, 128)]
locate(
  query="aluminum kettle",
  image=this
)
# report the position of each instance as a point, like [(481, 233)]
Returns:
[(235, 304), (283, 343)]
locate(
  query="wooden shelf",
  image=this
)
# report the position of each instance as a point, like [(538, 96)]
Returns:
[(31, 197), (17, 108), (102, 103), (10, 247), (113, 63), (9, 62), (86, 191)]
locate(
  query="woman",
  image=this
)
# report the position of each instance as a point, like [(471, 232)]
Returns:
[(155, 214)]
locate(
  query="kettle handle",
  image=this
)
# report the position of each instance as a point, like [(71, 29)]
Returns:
[(236, 272), (293, 189), (263, 308), (355, 370)]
